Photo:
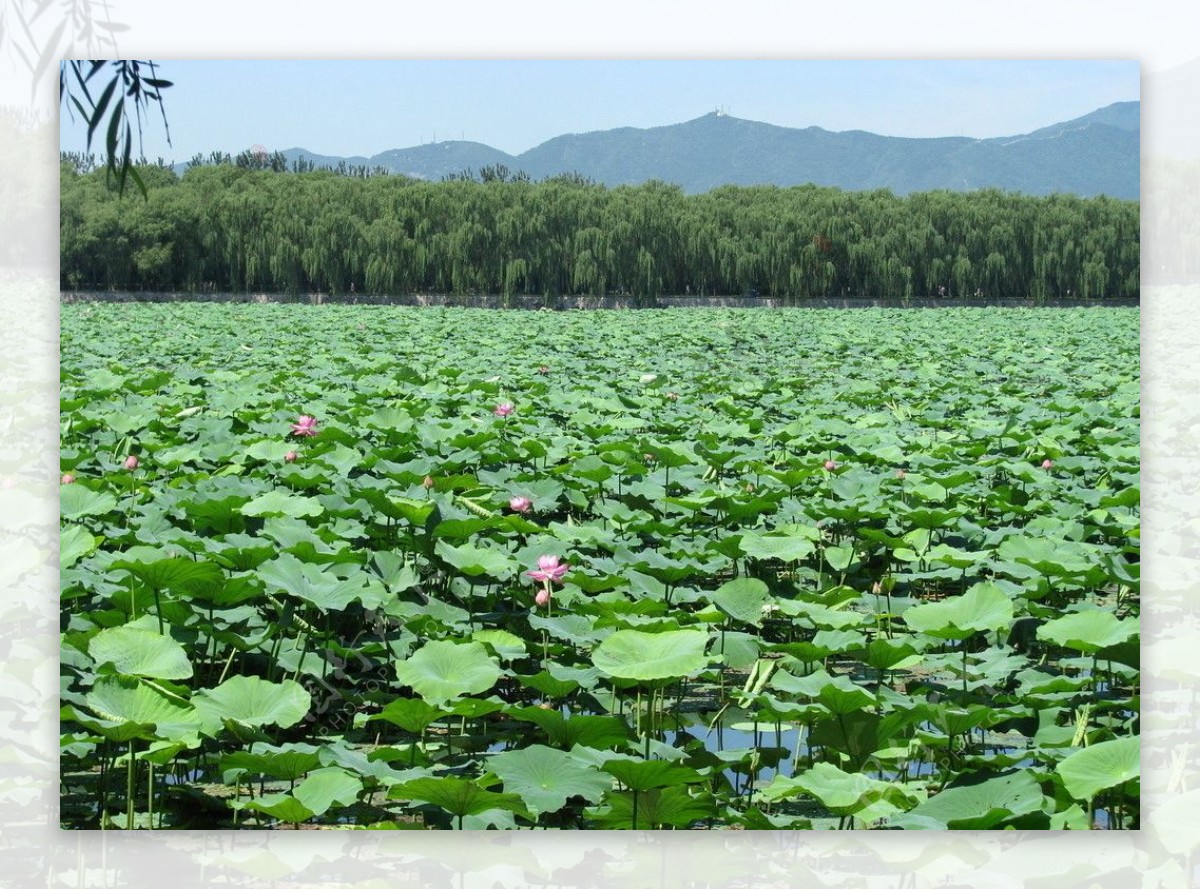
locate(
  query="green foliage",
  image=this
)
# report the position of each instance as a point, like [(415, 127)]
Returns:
[(743, 637), (233, 229)]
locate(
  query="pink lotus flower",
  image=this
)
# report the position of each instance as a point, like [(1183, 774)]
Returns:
[(549, 570), (131, 462), (519, 504), (901, 473), (427, 483), (290, 457), (66, 479), (543, 597), (305, 425), (831, 465), (1047, 464), (503, 409), (543, 369)]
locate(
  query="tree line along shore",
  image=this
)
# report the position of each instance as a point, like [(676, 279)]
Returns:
[(228, 228)]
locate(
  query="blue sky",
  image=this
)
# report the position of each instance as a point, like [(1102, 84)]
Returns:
[(365, 107)]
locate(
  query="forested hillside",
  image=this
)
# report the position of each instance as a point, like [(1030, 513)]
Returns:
[(228, 228)]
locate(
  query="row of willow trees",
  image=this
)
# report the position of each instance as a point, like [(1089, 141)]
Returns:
[(224, 227)]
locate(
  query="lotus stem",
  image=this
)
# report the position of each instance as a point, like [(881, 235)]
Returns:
[(129, 788)]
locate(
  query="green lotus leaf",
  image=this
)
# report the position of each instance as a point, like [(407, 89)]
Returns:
[(818, 615), (788, 548), (270, 450), (133, 708), (74, 544), (546, 777), (325, 787), (1088, 631), (476, 561), (311, 583), (288, 762), (507, 645), (981, 805), (642, 775), (253, 702), (1054, 557), (280, 503), (78, 500), (590, 730), (173, 573), (636, 655), (458, 797), (410, 714), (842, 793), (283, 807), (676, 807), (441, 671), (983, 607), (141, 653), (743, 599), (1101, 766)]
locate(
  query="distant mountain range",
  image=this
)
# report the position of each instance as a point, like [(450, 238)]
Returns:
[(1096, 154)]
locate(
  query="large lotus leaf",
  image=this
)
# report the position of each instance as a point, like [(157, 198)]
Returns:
[(642, 775), (788, 548), (636, 655), (546, 777), (132, 707), (676, 807), (288, 762), (506, 644), (74, 544), (476, 561), (743, 599), (979, 806), (325, 787), (1103, 765), (341, 458), (1050, 556), (459, 797), (173, 573), (272, 450), (309, 582), (953, 557), (1088, 631), (839, 694), (842, 793), (78, 500), (283, 807), (253, 701), (983, 607), (411, 509), (280, 503), (474, 707), (821, 615), (139, 652), (888, 655), (839, 556), (856, 734), (590, 730), (410, 714), (442, 670)]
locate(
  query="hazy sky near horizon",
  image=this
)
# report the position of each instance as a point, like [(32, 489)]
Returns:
[(363, 107)]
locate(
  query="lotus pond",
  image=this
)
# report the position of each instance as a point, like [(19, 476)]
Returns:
[(376, 567)]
